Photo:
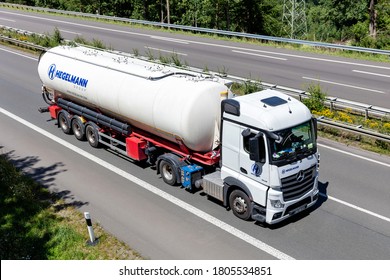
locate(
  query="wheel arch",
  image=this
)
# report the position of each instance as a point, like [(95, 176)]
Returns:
[(232, 184)]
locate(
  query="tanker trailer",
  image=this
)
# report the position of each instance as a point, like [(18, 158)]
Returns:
[(234, 149)]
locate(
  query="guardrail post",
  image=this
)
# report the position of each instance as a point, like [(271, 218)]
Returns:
[(332, 101), (366, 112)]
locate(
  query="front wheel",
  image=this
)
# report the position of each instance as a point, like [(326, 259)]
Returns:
[(240, 204)]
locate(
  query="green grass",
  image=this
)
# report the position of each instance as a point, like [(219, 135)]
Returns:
[(37, 224), (354, 140)]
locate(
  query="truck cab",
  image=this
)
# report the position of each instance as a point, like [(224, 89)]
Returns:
[(269, 159)]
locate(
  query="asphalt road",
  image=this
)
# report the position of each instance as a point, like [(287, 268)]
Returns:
[(351, 221), (355, 80)]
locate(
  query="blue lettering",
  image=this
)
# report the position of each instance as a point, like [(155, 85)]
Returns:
[(289, 169), (54, 73)]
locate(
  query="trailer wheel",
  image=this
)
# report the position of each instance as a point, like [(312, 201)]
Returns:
[(78, 129), (92, 135), (64, 122), (167, 172), (240, 204)]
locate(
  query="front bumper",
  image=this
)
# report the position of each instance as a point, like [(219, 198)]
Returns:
[(293, 207)]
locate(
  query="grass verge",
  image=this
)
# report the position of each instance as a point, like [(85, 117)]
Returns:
[(37, 224)]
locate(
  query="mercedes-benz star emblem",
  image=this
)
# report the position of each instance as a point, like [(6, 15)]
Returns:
[(300, 176)]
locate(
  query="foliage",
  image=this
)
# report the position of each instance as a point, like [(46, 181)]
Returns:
[(344, 21), (98, 44), (380, 125), (316, 99), (246, 87), (36, 224), (20, 200)]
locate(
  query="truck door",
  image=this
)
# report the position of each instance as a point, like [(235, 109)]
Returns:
[(254, 174)]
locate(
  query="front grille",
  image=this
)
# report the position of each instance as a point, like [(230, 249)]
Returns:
[(293, 189)]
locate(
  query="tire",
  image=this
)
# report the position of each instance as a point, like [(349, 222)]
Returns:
[(240, 204), (168, 172), (64, 122), (78, 129), (92, 135)]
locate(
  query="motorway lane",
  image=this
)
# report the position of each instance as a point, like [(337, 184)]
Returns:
[(332, 231), (345, 78), (157, 229), (369, 180)]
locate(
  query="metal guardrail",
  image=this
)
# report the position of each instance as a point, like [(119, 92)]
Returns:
[(207, 30), (354, 129), (368, 110), (335, 103), (20, 42)]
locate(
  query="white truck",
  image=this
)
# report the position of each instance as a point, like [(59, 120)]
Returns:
[(255, 153)]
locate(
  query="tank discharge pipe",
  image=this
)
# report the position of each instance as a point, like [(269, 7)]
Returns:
[(94, 116)]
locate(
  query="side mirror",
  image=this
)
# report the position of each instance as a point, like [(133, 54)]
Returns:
[(257, 148)]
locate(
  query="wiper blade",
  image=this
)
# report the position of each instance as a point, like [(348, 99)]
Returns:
[(304, 152)]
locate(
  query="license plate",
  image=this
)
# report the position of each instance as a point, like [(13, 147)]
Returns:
[(297, 210)]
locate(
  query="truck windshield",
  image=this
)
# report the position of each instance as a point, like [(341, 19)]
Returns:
[(294, 143)]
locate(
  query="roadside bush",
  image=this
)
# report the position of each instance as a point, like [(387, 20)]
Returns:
[(246, 87), (316, 99)]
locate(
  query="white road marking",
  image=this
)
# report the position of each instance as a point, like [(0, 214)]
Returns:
[(261, 55), (6, 19), (26, 56), (195, 211), (321, 59), (79, 24), (347, 203), (170, 39), (71, 32), (207, 44), (356, 207), (354, 155), (160, 50), (370, 73), (344, 85)]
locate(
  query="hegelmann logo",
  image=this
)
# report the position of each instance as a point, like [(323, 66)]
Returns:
[(54, 73), (290, 169), (52, 70)]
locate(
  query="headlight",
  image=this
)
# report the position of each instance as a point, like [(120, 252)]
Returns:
[(276, 203)]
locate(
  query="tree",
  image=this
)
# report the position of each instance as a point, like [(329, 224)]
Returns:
[(373, 17), (168, 13)]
